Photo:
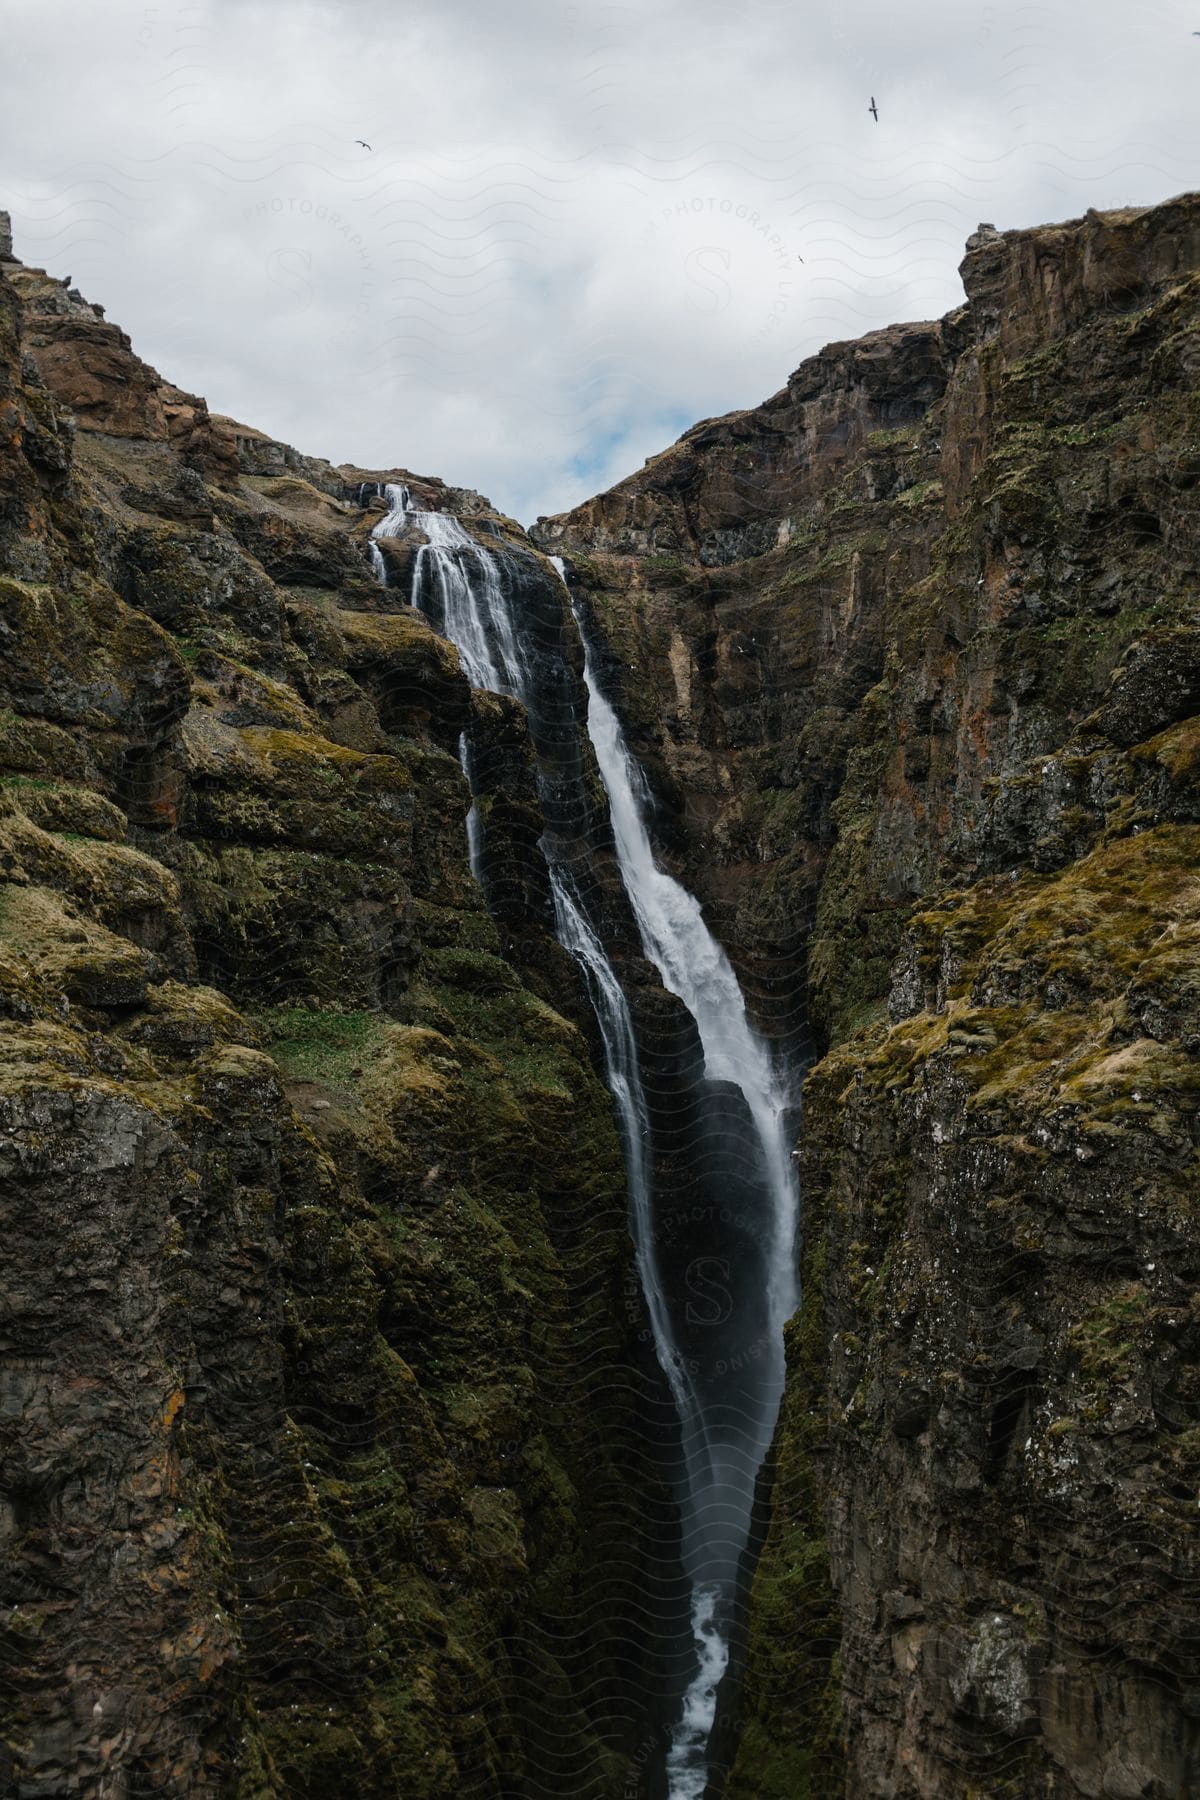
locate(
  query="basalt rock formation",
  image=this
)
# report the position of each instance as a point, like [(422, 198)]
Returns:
[(911, 654), (326, 1382)]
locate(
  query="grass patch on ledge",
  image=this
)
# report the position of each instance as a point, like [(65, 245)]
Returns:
[(320, 1046)]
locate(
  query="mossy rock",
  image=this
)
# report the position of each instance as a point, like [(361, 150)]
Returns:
[(80, 810)]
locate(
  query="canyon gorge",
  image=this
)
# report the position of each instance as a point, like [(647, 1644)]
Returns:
[(600, 1121)]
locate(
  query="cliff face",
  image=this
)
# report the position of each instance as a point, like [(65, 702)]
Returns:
[(912, 656), (742, 581), (326, 1392)]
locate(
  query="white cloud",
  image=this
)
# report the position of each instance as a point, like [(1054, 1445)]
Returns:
[(579, 226)]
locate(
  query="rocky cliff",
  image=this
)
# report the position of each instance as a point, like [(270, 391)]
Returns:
[(911, 654), (333, 1454), (331, 1446)]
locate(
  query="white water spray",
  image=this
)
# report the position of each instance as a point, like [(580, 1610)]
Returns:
[(687, 1768), (456, 584), (477, 620), (695, 967)]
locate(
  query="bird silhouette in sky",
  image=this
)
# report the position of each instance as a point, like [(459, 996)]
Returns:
[(363, 142), (873, 110)]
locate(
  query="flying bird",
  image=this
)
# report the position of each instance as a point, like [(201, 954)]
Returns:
[(363, 142), (873, 110)]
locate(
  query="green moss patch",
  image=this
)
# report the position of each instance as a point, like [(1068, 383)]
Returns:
[(320, 1046)]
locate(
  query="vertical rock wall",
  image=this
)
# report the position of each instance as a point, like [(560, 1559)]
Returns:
[(912, 653), (332, 1451)]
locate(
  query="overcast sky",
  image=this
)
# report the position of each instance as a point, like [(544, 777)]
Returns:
[(579, 227)]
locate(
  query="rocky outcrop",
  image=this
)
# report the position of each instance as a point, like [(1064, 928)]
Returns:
[(332, 1453), (910, 656), (722, 492), (749, 608), (90, 368)]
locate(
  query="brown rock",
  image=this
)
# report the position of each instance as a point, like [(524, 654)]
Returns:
[(91, 370)]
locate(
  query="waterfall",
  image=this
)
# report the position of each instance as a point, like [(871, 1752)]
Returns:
[(474, 822), (456, 584), (397, 497), (611, 1007), (475, 615), (693, 966), (726, 1404)]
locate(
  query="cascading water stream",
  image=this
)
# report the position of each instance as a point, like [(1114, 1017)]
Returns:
[(695, 967), (475, 616), (392, 522), (474, 822), (726, 1419)]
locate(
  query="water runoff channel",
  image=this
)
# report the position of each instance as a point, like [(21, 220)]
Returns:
[(727, 1402)]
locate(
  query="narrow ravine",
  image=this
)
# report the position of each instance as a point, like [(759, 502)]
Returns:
[(717, 1317), (737, 1425)]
